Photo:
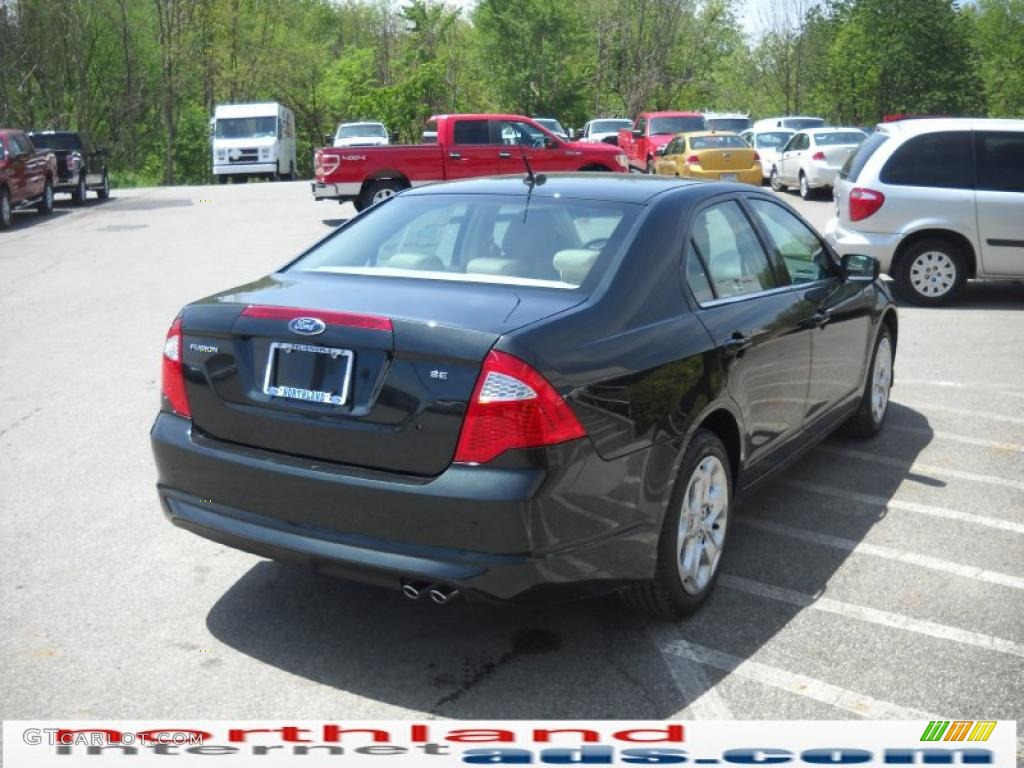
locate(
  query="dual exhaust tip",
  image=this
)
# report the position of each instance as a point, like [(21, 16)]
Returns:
[(439, 593)]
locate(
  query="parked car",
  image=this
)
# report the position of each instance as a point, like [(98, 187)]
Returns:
[(464, 146), (253, 140), (937, 202), (553, 126), (812, 158), (652, 131), (521, 391), (792, 122), (27, 176), (736, 122), (365, 134), (80, 166), (604, 129), (711, 155), (769, 144)]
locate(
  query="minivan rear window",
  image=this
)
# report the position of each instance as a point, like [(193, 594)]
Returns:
[(541, 242), (858, 159), (941, 159)]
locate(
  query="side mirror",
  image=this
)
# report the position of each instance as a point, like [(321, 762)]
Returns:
[(393, 138), (637, 134), (859, 268)]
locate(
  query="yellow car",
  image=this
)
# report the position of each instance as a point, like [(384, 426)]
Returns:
[(710, 155)]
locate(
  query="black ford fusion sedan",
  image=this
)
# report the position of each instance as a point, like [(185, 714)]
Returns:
[(512, 390)]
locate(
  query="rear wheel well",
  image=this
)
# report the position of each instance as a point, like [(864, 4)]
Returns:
[(394, 176), (724, 425), (955, 238)]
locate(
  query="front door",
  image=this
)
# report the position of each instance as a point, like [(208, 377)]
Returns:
[(471, 152), (999, 198), (789, 165)]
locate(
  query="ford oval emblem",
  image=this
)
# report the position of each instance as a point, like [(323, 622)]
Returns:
[(307, 326)]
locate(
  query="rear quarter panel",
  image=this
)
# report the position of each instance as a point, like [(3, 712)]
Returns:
[(416, 163)]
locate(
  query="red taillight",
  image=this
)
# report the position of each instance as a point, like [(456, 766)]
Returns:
[(757, 158), (864, 202), (819, 156), (173, 375), (513, 407), (349, 319), (325, 163), (693, 160)]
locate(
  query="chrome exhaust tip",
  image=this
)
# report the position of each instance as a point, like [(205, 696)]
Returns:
[(442, 594), (414, 589)]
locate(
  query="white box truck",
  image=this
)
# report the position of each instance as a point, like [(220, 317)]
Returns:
[(253, 140)]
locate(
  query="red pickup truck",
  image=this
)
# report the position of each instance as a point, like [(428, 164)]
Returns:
[(653, 130), (466, 146), (26, 176)]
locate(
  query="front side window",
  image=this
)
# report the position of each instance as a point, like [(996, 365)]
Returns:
[(1001, 161), (545, 242), (515, 132), (798, 247), (941, 159), (732, 254)]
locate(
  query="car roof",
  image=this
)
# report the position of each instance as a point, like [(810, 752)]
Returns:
[(831, 129), (699, 134), (671, 114), (914, 126), (612, 187)]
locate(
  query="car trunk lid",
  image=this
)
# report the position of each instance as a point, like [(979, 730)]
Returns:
[(731, 159)]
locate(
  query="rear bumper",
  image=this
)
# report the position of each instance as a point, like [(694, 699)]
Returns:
[(880, 246), (335, 191), (239, 168), (745, 176), (503, 534)]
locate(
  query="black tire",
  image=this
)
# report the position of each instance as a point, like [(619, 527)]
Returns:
[(78, 194), (222, 179), (775, 181), (103, 193), (45, 206), (806, 192), (915, 284), (867, 420), (379, 190), (664, 596), (6, 212)]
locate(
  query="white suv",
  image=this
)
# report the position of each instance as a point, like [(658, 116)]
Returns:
[(936, 201)]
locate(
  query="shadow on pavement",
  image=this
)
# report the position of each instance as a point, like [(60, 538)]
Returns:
[(588, 659)]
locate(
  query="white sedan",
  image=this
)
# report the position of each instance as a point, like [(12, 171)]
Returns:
[(769, 144), (812, 158)]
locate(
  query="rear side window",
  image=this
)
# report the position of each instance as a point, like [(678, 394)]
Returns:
[(799, 248), (732, 255), (858, 159), (944, 159), (472, 132), (1000, 161)]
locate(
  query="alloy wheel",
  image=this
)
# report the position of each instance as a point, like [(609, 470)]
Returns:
[(702, 525), (383, 194), (881, 380), (933, 274)]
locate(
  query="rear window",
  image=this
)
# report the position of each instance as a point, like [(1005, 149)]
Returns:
[(472, 132), (552, 243), (56, 140), (838, 139), (801, 123), (943, 159), (855, 162), (718, 142)]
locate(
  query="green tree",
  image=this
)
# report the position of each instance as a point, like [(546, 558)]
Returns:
[(999, 39)]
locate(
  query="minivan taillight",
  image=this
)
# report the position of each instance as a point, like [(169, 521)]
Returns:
[(819, 156), (513, 406), (864, 202), (172, 382)]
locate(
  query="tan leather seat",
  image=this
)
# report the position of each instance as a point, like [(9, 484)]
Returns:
[(574, 264)]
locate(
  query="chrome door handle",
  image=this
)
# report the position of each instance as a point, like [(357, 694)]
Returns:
[(455, 155), (504, 155), (737, 343)]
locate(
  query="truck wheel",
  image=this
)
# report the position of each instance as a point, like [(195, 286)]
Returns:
[(380, 190), (79, 192), (6, 217), (103, 193), (45, 205)]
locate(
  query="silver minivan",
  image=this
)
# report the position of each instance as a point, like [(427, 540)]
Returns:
[(937, 201)]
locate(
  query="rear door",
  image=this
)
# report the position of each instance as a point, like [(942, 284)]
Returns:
[(758, 325), (999, 198), (472, 151)]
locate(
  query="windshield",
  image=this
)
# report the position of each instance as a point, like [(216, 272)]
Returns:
[(676, 125), (56, 140), (835, 139), (735, 124), (725, 141), (543, 242), (609, 126), (552, 125), (773, 140), (799, 123), (246, 128), (358, 130)]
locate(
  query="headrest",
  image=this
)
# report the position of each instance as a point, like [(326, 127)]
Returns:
[(574, 264), (423, 261), (488, 265)]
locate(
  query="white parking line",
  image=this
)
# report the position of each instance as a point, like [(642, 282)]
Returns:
[(872, 615), (919, 406), (703, 700), (888, 553), (800, 685), (930, 469), (909, 506), (980, 442)]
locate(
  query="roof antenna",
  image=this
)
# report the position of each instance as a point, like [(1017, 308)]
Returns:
[(530, 179)]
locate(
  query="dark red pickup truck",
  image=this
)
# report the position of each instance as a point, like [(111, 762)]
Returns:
[(26, 176), (466, 146)]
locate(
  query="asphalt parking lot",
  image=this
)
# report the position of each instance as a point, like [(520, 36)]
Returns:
[(880, 579)]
